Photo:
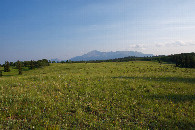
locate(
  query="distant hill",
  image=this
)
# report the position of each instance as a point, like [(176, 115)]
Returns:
[(97, 55)]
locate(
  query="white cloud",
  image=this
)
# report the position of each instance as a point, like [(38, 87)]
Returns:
[(159, 45), (137, 47), (191, 43), (175, 44)]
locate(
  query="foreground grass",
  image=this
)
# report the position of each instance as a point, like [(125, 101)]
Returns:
[(99, 95)]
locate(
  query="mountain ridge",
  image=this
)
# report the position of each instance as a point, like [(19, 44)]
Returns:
[(97, 55)]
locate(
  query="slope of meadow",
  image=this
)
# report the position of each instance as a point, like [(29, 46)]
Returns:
[(99, 95)]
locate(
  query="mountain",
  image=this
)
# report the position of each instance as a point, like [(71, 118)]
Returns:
[(97, 55)]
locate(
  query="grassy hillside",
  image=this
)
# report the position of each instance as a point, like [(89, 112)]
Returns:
[(99, 95)]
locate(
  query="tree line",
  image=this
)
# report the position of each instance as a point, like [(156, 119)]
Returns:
[(20, 64), (184, 60)]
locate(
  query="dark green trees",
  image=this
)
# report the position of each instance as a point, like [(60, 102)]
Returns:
[(19, 67), (1, 73), (6, 67), (31, 64), (186, 60), (62, 62), (11, 64), (25, 64)]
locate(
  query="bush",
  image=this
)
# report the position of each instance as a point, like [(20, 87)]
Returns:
[(6, 67), (1, 73)]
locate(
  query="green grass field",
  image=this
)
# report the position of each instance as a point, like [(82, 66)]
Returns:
[(136, 95)]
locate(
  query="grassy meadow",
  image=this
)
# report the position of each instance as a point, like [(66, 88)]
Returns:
[(113, 95)]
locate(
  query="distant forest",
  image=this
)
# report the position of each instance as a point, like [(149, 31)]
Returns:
[(184, 60)]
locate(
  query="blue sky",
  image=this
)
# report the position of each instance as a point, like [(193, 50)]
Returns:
[(37, 29)]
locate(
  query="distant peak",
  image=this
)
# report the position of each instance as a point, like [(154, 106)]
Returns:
[(93, 52), (97, 55)]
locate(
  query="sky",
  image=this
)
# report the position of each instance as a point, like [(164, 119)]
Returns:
[(37, 29)]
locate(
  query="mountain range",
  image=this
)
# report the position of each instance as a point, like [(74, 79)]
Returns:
[(97, 55)]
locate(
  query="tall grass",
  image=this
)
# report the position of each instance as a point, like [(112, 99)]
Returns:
[(140, 95)]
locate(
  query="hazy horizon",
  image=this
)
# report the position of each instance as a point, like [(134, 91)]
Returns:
[(64, 29)]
